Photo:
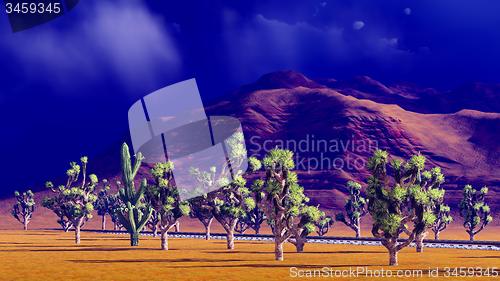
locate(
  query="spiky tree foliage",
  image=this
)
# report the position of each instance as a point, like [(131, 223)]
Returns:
[(103, 203), (200, 205), (428, 196), (284, 203), (57, 206), (232, 201), (397, 202), (74, 201), (305, 224), (242, 225), (164, 199), (23, 207), (135, 213), (474, 210), (116, 207), (355, 208), (324, 224), (255, 217), (201, 210), (443, 219), (154, 220), (229, 204)]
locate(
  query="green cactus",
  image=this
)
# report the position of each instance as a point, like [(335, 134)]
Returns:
[(135, 213)]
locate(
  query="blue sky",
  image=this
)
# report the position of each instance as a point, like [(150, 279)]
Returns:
[(65, 86)]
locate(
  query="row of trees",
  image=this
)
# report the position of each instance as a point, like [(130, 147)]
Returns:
[(402, 197)]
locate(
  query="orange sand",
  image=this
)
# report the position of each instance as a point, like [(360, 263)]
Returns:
[(51, 255)]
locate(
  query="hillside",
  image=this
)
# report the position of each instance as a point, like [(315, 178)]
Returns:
[(334, 131), (341, 132)]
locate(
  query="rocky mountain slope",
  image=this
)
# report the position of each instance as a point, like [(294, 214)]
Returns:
[(333, 131)]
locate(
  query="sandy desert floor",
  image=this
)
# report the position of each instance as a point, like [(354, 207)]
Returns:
[(51, 255)]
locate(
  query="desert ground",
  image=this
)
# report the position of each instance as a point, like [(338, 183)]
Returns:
[(51, 255), (46, 253)]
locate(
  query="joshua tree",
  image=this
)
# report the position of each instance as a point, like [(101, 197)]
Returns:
[(229, 204), (242, 225), (393, 204), (116, 207), (307, 221), (256, 216), (74, 202), (324, 224), (284, 203), (57, 206), (103, 204), (443, 218), (24, 207), (355, 208), (154, 221), (474, 210), (201, 210), (135, 213), (429, 197), (164, 199)]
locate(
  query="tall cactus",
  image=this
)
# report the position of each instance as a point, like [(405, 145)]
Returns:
[(136, 213)]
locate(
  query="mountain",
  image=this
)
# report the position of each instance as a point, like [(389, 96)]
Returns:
[(333, 133), (333, 126), (475, 96)]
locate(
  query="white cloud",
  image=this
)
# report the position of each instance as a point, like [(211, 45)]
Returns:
[(358, 25), (98, 38)]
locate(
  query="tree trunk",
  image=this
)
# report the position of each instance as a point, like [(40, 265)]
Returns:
[(207, 229), (134, 239), (177, 226), (77, 234), (358, 228), (257, 230), (419, 245), (25, 225), (154, 229), (278, 250), (419, 242), (164, 239), (230, 240), (471, 236), (436, 235), (393, 257), (299, 244), (115, 226), (103, 222)]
